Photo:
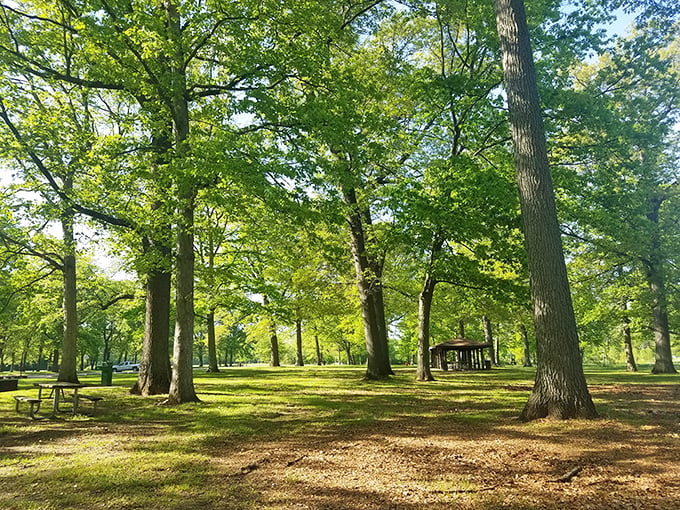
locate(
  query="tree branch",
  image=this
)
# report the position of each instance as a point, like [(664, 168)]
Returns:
[(42, 168)]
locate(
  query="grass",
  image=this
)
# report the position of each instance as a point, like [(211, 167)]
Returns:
[(138, 454)]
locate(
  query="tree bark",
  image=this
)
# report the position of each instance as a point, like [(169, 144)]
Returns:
[(631, 366), (68, 367), (155, 371), (319, 357), (274, 360), (299, 360), (182, 383), (560, 389), (423, 372), (212, 343), (497, 349), (654, 272), (369, 283), (488, 338), (525, 345), (154, 368), (663, 363)]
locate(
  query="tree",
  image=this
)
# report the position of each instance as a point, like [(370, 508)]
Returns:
[(51, 145), (560, 389), (621, 193)]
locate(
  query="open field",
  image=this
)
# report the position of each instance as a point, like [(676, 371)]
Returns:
[(321, 438)]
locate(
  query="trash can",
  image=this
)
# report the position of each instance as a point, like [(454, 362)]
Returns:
[(107, 373)]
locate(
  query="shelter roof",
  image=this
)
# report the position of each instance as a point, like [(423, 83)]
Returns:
[(460, 344)]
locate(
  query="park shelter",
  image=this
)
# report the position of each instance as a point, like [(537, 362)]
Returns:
[(468, 355)]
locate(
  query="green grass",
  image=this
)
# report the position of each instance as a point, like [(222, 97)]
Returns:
[(137, 453)]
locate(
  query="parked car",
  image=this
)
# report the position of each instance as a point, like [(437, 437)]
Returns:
[(126, 365)]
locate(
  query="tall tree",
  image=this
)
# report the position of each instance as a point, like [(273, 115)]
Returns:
[(620, 178), (560, 389)]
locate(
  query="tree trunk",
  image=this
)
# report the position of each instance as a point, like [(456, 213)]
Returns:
[(154, 368), (560, 390), (525, 345), (369, 283), (67, 370), (319, 358), (348, 353), (299, 361), (488, 338), (654, 273), (182, 383), (55, 360), (461, 329), (663, 363), (212, 343), (631, 366), (274, 345), (274, 359), (423, 372)]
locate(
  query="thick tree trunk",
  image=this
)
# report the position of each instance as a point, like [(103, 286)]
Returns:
[(631, 366), (488, 338), (182, 382), (654, 272), (154, 368), (299, 360), (560, 390), (369, 283), (525, 346), (663, 363), (67, 370), (461, 329), (212, 343)]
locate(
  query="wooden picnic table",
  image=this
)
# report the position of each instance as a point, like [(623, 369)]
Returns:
[(57, 394)]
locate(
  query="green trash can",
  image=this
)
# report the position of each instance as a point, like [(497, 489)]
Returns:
[(107, 373)]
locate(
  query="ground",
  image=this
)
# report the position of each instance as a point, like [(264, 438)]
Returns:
[(325, 441)]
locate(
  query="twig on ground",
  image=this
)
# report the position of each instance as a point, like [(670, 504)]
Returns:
[(567, 478), (244, 470), (291, 462)]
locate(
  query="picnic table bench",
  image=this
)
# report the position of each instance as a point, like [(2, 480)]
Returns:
[(77, 397), (34, 404)]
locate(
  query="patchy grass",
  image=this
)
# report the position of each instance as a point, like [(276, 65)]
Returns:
[(320, 437)]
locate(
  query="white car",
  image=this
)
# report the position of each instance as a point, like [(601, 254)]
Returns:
[(126, 365)]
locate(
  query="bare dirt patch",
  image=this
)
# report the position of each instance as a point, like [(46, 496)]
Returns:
[(399, 464)]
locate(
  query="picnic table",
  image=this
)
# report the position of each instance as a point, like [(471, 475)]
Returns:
[(57, 394)]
